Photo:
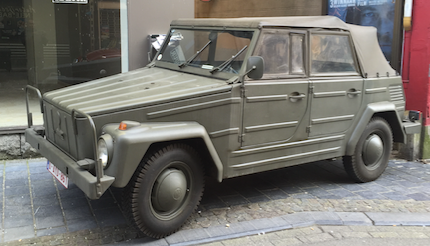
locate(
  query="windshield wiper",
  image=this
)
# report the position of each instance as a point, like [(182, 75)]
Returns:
[(195, 55), (226, 63)]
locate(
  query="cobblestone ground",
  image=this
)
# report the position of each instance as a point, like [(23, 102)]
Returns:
[(320, 186), (319, 234)]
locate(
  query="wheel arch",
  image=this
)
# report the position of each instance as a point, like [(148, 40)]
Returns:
[(385, 110), (200, 146), (396, 126), (132, 146)]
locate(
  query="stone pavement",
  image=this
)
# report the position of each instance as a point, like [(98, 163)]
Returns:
[(336, 235), (36, 209)]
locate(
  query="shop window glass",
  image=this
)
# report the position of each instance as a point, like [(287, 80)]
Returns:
[(50, 46)]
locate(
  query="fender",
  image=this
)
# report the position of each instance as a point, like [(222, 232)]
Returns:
[(369, 112), (130, 146)]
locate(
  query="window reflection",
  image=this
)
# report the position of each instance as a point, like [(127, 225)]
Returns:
[(50, 46), (331, 54)]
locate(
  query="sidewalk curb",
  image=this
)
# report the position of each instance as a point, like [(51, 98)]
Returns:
[(290, 221)]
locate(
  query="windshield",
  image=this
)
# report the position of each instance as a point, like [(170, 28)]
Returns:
[(214, 50)]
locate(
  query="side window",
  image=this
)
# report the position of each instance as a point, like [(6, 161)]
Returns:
[(331, 54), (273, 47), (282, 52)]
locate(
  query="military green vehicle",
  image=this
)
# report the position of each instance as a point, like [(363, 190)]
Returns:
[(225, 98)]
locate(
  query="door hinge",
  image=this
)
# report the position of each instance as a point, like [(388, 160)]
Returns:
[(308, 129), (311, 89), (241, 138), (242, 92)]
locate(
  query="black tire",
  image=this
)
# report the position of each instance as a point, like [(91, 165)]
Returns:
[(371, 153), (165, 190)]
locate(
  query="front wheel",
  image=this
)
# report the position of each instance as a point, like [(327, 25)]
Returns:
[(372, 152), (165, 190)]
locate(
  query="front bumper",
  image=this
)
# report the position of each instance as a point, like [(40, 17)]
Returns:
[(86, 181)]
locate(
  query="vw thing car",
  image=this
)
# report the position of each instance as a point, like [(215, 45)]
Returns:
[(225, 98)]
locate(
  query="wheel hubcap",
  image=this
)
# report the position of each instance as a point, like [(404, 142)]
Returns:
[(373, 150), (169, 190)]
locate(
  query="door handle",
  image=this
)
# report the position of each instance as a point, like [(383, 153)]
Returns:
[(295, 96), (353, 93), (300, 96)]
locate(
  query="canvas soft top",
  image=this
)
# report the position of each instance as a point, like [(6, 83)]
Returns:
[(257, 22), (372, 60)]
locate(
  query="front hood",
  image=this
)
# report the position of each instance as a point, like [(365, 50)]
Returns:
[(142, 87)]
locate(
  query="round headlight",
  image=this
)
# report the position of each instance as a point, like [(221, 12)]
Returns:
[(105, 149)]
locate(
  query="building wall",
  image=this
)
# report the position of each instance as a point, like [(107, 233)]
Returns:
[(258, 8), (147, 17), (416, 68), (417, 59)]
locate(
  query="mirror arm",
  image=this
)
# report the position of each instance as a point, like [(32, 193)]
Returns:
[(253, 68)]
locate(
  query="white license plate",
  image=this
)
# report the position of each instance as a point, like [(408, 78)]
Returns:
[(61, 177)]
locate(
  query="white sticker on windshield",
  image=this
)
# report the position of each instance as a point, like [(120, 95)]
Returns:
[(207, 66), (159, 57)]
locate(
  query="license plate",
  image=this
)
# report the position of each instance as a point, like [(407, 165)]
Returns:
[(61, 177)]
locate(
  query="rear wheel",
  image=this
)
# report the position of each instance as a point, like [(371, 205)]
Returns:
[(165, 190), (371, 153)]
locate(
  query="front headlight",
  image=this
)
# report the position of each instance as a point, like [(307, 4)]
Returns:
[(105, 149)]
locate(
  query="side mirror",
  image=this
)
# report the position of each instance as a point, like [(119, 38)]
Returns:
[(255, 67)]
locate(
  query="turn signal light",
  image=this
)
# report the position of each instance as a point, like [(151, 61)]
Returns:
[(127, 125), (122, 126)]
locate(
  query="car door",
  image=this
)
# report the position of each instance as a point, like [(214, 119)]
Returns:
[(275, 106), (336, 85)]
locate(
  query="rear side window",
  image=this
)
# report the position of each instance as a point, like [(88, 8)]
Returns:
[(282, 52), (331, 54)]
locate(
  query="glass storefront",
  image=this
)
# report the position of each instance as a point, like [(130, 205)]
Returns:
[(377, 13), (52, 45)]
